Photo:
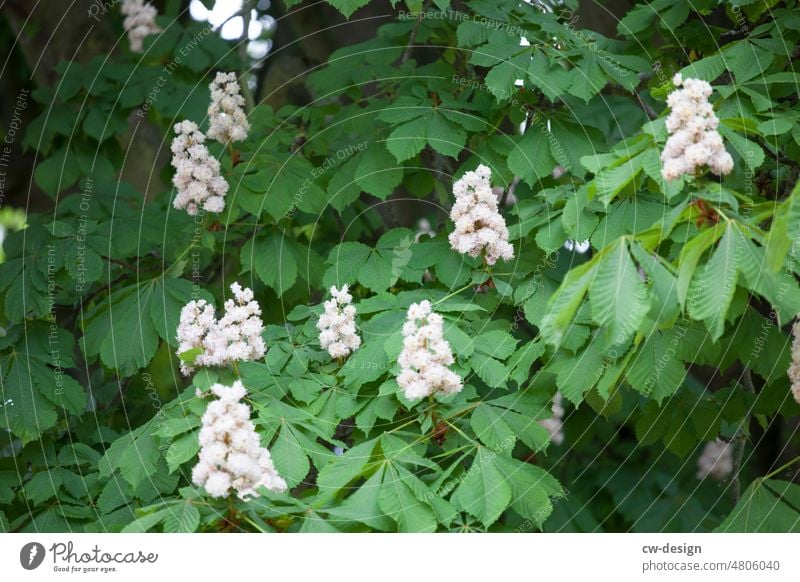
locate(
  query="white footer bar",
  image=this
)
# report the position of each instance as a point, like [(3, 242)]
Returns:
[(410, 557)]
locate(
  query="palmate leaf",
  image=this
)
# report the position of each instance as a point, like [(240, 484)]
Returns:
[(618, 296), (398, 500), (500, 422), (484, 492), (364, 505), (24, 410), (531, 488)]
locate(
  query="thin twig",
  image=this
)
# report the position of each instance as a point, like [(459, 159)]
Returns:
[(413, 36), (739, 441)]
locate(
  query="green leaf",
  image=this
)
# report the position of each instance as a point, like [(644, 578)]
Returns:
[(57, 173), (398, 500), (502, 78), (488, 424), (690, 255), (341, 471), (751, 153), (42, 486), (24, 411), (273, 260), (530, 159), (576, 375), (367, 364), (289, 456), (347, 7), (146, 522), (484, 491), (444, 136), (618, 296), (346, 259), (531, 489), (711, 292), (564, 303), (130, 343), (182, 517), (785, 228), (768, 505), (588, 78), (182, 450), (407, 140), (139, 460), (363, 505), (656, 370), (496, 343), (494, 373), (170, 294), (610, 182), (377, 172)]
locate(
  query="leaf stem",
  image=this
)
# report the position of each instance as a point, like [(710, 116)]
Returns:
[(456, 292), (781, 468), (739, 442)]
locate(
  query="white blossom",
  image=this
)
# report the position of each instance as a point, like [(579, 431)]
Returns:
[(234, 337), (426, 355), (479, 226), (716, 461), (555, 424), (197, 174), (794, 368), (424, 228), (228, 121), (231, 455), (337, 325), (139, 22), (694, 141)]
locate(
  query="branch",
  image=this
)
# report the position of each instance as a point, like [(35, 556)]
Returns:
[(739, 441), (246, 14)]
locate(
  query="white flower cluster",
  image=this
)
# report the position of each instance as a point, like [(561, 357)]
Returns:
[(234, 337), (479, 226), (426, 355), (228, 121), (197, 176), (231, 455), (692, 124), (140, 21), (337, 326), (794, 368), (555, 424), (716, 461)]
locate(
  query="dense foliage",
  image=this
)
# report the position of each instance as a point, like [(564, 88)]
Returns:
[(670, 331)]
